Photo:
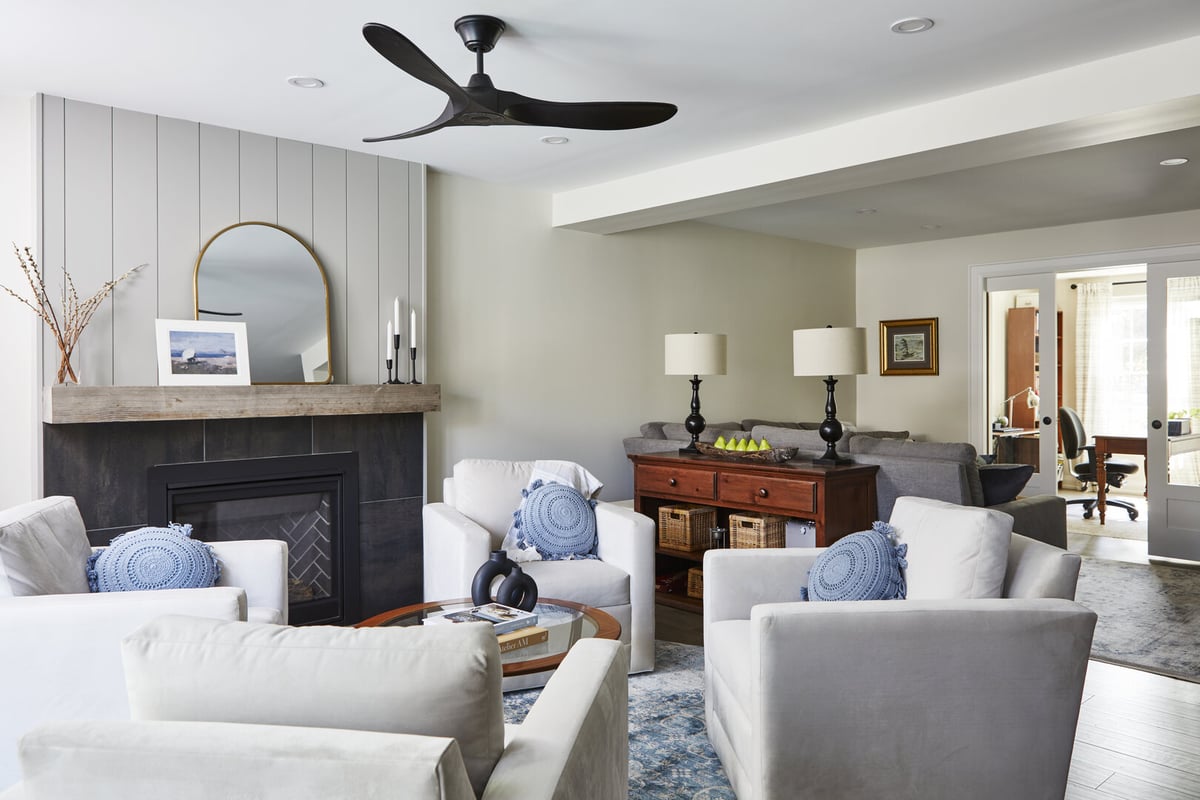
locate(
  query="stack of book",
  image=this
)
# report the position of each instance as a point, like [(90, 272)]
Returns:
[(514, 628)]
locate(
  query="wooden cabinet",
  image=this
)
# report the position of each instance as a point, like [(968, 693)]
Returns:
[(835, 500), (1023, 344)]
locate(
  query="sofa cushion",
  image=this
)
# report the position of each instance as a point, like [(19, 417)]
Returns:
[(954, 552), (752, 423), (804, 440), (488, 491), (1003, 482), (884, 434), (867, 565), (593, 583), (442, 680), (958, 452), (43, 549), (653, 430), (153, 558), (677, 430)]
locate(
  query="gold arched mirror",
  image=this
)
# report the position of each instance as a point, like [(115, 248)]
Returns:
[(267, 277)]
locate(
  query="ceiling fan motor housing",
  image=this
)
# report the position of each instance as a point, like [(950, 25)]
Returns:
[(479, 32)]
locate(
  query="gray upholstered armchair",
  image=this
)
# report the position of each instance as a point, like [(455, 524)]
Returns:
[(969, 688)]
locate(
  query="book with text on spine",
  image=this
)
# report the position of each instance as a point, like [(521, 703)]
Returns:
[(522, 637)]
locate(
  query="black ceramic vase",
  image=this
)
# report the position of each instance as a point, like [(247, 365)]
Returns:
[(518, 590), (481, 585)]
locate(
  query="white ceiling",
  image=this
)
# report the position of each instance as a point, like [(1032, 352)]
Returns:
[(769, 71)]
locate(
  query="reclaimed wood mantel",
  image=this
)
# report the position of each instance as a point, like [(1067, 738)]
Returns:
[(82, 404)]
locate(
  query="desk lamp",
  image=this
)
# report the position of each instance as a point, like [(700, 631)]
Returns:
[(695, 354), (830, 351)]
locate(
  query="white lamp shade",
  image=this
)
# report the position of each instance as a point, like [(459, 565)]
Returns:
[(695, 354), (829, 351)]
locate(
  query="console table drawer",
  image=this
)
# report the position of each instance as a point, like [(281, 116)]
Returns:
[(797, 496), (692, 483)]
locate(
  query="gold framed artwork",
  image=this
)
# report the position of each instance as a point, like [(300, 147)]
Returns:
[(908, 346)]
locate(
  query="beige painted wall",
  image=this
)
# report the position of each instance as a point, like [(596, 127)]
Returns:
[(549, 343), (929, 279), (19, 386)]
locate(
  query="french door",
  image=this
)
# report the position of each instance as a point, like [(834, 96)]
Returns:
[(1022, 375), (1173, 396)]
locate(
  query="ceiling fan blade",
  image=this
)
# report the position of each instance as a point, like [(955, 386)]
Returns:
[(396, 48), (604, 116), (447, 118)]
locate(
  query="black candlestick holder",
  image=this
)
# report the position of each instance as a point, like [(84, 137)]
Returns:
[(412, 354), (396, 347), (390, 379)]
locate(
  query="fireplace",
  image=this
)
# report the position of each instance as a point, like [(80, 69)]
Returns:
[(308, 501)]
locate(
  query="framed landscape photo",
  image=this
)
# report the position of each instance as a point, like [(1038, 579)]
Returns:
[(202, 353), (908, 347)]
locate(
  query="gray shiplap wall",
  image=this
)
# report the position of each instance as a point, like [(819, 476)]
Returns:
[(121, 188)]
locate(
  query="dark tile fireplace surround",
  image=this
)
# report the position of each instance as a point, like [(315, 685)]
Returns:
[(104, 466)]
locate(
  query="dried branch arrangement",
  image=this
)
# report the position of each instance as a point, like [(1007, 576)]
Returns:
[(67, 325)]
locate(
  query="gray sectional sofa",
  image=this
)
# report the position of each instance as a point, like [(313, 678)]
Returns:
[(938, 470)]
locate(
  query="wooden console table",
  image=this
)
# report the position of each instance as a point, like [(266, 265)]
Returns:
[(837, 500)]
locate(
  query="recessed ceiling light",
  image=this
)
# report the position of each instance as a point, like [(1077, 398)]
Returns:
[(1173, 162), (302, 82), (912, 25), (554, 140), (866, 211)]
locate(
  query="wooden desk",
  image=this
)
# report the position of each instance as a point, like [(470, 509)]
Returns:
[(1020, 446), (1106, 445)]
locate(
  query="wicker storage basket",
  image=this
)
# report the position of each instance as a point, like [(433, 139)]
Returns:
[(695, 587), (686, 527), (757, 530)]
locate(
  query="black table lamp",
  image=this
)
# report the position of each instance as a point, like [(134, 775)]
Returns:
[(830, 351), (695, 354)]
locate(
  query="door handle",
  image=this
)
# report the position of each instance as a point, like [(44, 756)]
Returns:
[(1156, 424), (1047, 421)]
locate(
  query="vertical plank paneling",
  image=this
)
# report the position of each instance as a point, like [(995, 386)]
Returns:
[(416, 258), (54, 223), (219, 190), (256, 177), (135, 236), (329, 243), (393, 250), (178, 217), (295, 180), (364, 336), (121, 188), (89, 232)]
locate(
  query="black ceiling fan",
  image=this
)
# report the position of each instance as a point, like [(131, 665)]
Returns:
[(481, 103)]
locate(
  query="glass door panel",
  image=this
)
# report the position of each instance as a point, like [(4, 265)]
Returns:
[(1172, 437), (1023, 376)]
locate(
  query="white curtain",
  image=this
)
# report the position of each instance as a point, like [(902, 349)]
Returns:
[(1093, 349), (1183, 365)]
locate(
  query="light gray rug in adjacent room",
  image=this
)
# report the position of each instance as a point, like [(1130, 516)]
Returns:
[(1149, 615), (669, 754)]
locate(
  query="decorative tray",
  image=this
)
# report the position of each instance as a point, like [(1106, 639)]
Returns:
[(773, 456)]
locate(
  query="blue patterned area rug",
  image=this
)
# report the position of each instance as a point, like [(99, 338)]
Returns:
[(669, 754)]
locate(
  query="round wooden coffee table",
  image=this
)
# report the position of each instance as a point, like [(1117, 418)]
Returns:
[(565, 621)]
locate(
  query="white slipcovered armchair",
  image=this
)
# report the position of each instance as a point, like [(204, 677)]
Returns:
[(946, 694), (238, 709), (61, 643), (476, 512)]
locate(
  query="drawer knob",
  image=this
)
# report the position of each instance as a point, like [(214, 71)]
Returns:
[(671, 482), (762, 492)]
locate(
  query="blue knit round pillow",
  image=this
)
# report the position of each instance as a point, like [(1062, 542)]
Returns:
[(862, 566), (153, 558), (559, 521)]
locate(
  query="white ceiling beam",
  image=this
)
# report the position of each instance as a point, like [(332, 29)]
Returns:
[(1134, 94)]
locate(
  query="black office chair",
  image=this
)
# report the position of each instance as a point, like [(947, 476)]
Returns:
[(1073, 438)]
